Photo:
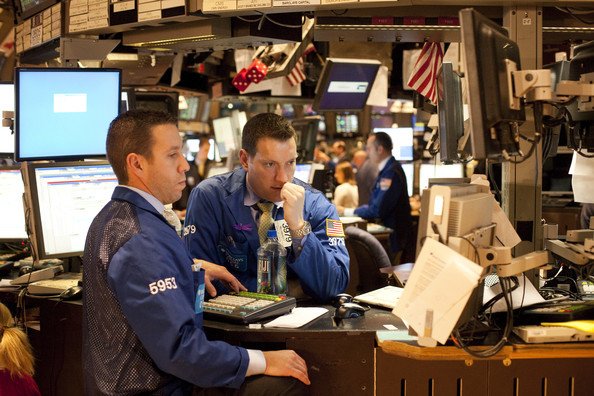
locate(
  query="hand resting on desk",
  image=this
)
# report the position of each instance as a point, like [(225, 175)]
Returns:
[(218, 272), (286, 363)]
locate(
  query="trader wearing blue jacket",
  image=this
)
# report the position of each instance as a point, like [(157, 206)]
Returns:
[(389, 200), (142, 306), (222, 217)]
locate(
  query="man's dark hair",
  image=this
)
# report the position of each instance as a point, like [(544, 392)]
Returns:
[(265, 125), (131, 132), (384, 140)]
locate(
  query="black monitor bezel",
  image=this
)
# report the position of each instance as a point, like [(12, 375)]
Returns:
[(450, 110), (17, 155), (31, 189), (22, 14), (306, 145)]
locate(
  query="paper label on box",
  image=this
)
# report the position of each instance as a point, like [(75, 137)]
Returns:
[(78, 10), (292, 3), (98, 23), (149, 16), (36, 35), (74, 20), (146, 7), (165, 4), (219, 5), (248, 4), (338, 1), (102, 13), (123, 6)]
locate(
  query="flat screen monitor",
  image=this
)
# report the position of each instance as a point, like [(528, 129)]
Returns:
[(166, 102), (490, 56), (347, 124), (12, 226), (438, 171), (306, 130), (27, 8), (450, 110), (189, 112), (409, 172), (6, 104), (303, 172), (223, 131), (402, 142), (345, 84), (64, 113), (63, 199)]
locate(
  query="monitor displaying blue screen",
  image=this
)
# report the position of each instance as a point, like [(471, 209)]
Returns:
[(345, 84), (66, 197), (402, 142), (6, 104), (64, 113)]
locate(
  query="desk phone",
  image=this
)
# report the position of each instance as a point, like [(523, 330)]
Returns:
[(247, 307)]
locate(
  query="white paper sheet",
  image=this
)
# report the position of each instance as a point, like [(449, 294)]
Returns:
[(298, 317)]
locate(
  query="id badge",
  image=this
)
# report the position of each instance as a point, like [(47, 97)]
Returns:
[(199, 288)]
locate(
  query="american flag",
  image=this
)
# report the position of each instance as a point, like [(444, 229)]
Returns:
[(423, 77), (296, 76), (334, 228)]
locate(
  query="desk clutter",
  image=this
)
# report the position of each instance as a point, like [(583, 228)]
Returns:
[(247, 307)]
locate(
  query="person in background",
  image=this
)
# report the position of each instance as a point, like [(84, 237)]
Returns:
[(389, 200), (225, 213), (198, 171), (339, 151), (365, 177), (142, 306), (586, 213), (16, 359), (345, 195)]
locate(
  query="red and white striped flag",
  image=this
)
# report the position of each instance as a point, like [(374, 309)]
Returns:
[(423, 77), (297, 75)]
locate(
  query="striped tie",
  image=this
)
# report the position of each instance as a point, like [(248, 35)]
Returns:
[(265, 220)]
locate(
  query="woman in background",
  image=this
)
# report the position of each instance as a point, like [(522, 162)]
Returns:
[(16, 359), (346, 194)]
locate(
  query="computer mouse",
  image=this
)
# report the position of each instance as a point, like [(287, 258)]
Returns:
[(349, 310), (74, 293), (25, 269), (341, 299)]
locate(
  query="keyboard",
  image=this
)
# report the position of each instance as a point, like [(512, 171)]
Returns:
[(386, 297), (54, 286), (247, 307)]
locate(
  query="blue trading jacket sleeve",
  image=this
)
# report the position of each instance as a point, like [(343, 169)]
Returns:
[(202, 225), (323, 265), (163, 317), (371, 211)]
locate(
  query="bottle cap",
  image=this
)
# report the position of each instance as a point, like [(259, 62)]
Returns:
[(271, 234)]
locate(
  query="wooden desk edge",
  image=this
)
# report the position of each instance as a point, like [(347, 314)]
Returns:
[(518, 351)]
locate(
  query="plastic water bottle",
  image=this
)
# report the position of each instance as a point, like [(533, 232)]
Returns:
[(272, 266)]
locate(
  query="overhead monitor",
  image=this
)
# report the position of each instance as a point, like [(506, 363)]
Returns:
[(345, 84), (63, 199), (64, 113), (306, 130), (450, 110), (490, 57), (189, 112), (27, 8), (223, 131), (438, 171), (6, 104), (347, 124), (303, 172), (166, 102), (12, 226), (402, 142)]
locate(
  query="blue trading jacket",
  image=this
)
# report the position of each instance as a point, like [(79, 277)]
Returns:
[(221, 229), (389, 202), (141, 332)]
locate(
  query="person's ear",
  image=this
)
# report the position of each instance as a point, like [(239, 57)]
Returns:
[(135, 164), (243, 159)]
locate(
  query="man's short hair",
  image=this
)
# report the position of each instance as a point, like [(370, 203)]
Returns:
[(130, 132), (265, 125), (384, 140)]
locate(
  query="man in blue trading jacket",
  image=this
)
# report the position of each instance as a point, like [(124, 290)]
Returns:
[(142, 306), (223, 215), (389, 198)]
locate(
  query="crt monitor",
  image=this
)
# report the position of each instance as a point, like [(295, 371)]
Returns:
[(345, 84), (306, 130), (63, 199), (402, 142), (188, 107), (6, 104), (490, 57), (64, 113), (12, 226), (450, 112), (166, 102)]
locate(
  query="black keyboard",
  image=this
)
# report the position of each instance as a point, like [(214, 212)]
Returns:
[(247, 307)]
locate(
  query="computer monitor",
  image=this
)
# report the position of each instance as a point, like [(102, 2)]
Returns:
[(6, 104), (307, 131), (224, 136), (490, 57), (12, 226), (402, 142), (409, 172), (303, 172), (189, 112), (62, 200), (64, 113), (27, 8), (582, 111), (167, 102), (128, 100), (345, 84), (450, 112), (347, 124), (438, 171)]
